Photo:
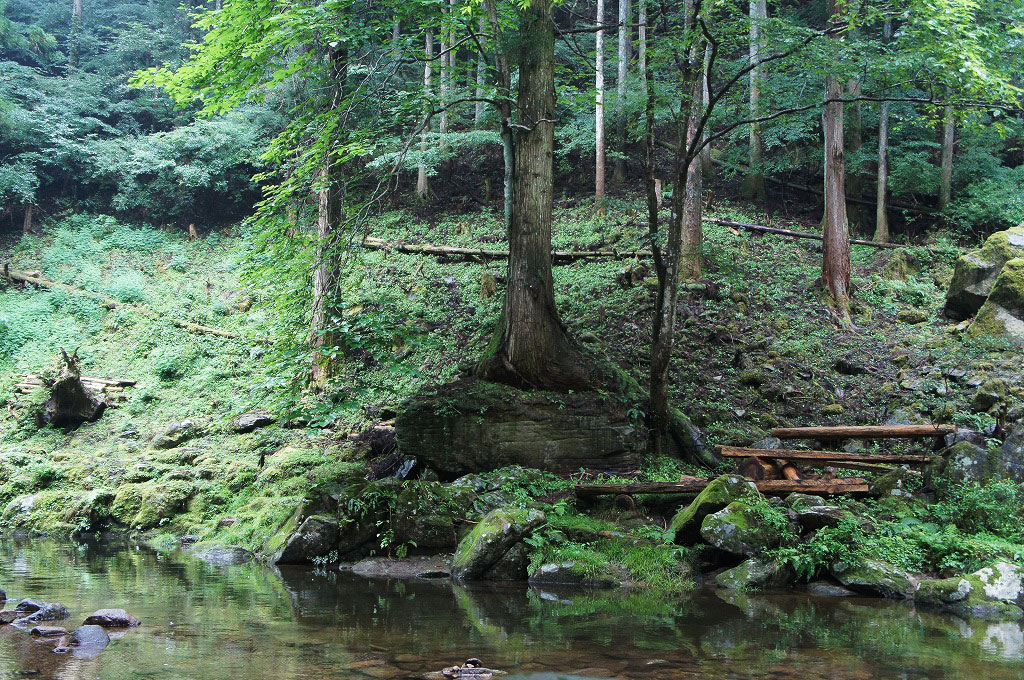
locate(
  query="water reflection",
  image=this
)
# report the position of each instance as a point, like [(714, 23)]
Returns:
[(257, 622)]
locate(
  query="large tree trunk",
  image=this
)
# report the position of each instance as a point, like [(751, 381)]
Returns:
[(26, 225), (946, 167), (835, 270), (599, 163), (619, 175), (76, 33), (532, 348), (422, 181), (71, 403), (882, 179), (707, 166), (755, 178), (481, 76), (693, 227), (855, 140), (446, 76), (330, 197)]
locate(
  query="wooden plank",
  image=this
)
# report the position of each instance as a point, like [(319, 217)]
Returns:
[(827, 456), (823, 486), (863, 431)]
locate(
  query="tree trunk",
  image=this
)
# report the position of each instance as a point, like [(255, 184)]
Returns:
[(532, 348), (503, 78), (26, 225), (693, 228), (599, 165), (755, 179), (330, 198), (882, 180), (835, 270), (619, 175), (855, 133), (445, 78), (422, 182), (946, 169), (76, 33), (481, 74), (71, 403), (707, 166)]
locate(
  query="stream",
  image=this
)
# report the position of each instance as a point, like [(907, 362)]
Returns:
[(253, 621)]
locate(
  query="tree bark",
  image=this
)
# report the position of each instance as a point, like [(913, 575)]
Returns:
[(481, 75), (946, 167), (835, 269), (882, 179), (707, 165), (422, 181), (445, 77), (619, 174), (693, 228), (599, 151), (532, 347), (755, 178), (855, 134), (26, 225), (76, 33), (330, 197)]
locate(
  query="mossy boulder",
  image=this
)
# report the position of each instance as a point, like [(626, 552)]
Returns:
[(874, 577), (716, 495), (143, 506), (739, 529), (427, 514), (755, 573), (471, 426), (967, 462), (491, 539), (316, 537), (1002, 315), (572, 574), (176, 434), (994, 592), (976, 272)]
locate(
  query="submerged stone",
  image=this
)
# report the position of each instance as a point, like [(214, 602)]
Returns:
[(874, 577), (88, 641), (224, 555), (112, 618)]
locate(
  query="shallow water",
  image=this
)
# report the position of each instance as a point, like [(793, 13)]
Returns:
[(250, 622)]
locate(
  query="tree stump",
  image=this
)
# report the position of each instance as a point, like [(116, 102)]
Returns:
[(71, 403)]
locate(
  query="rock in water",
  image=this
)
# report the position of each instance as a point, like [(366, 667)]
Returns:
[(740, 530), (1003, 312), (48, 631), (89, 640), (71, 403), (225, 555), (470, 426), (491, 539), (995, 592), (755, 573), (111, 618), (874, 577), (976, 272), (715, 496), (37, 612)]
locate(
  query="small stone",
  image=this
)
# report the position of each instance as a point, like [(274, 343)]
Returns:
[(247, 422), (41, 611), (48, 631), (913, 315), (832, 410), (112, 618)]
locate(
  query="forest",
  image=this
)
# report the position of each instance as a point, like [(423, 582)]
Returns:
[(647, 297)]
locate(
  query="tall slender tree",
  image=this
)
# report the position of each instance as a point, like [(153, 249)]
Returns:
[(755, 175), (76, 34), (599, 151), (619, 174), (946, 157), (882, 177), (422, 181)]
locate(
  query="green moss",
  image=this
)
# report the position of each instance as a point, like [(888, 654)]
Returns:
[(144, 506)]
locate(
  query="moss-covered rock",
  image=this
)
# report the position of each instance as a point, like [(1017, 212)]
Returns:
[(755, 573), (1002, 315), (470, 426), (142, 506), (317, 537), (571, 574), (739, 529), (967, 462), (427, 514), (716, 495), (494, 536), (977, 271), (994, 592), (874, 577), (176, 434)]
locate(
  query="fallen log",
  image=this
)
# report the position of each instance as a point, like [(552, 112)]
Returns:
[(823, 456), (558, 256), (864, 432), (111, 303), (795, 234), (822, 486)]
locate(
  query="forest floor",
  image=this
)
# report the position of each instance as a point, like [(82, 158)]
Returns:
[(757, 349)]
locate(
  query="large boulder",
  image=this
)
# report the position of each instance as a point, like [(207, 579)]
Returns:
[(995, 592), (967, 462), (573, 574), (491, 539), (1012, 460), (739, 529), (317, 537), (977, 271), (427, 515), (88, 641), (176, 434), (1002, 315), (874, 577), (716, 495), (471, 426), (755, 573)]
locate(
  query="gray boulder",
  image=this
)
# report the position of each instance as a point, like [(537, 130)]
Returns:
[(814, 517), (966, 462), (1002, 315), (36, 612), (88, 641), (317, 536), (716, 495), (1012, 461), (755, 573), (176, 434), (740, 530), (491, 539), (470, 426), (976, 272), (995, 592), (874, 577), (247, 422), (225, 555), (571, 574)]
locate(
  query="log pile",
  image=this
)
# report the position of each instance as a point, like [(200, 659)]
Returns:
[(111, 389)]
